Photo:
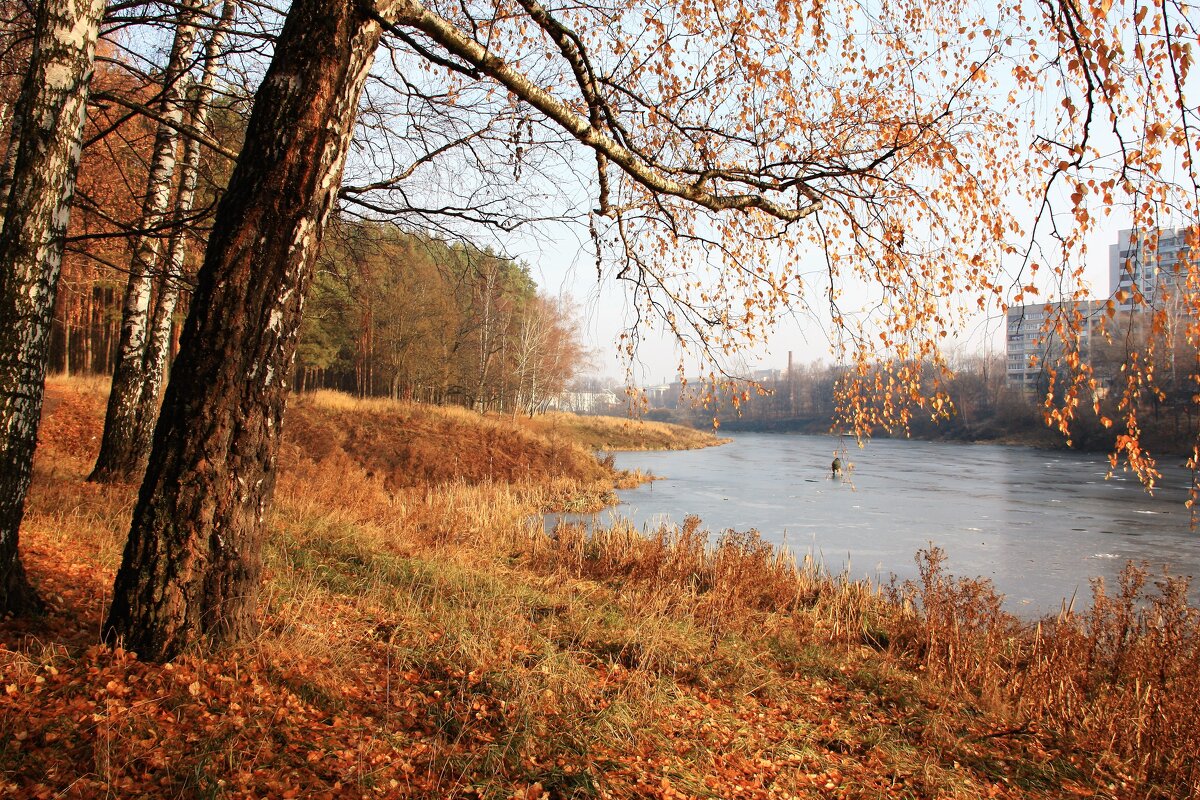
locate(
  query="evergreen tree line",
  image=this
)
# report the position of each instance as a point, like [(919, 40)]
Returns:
[(407, 316)]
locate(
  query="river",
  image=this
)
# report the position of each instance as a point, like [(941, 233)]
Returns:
[(1038, 523)]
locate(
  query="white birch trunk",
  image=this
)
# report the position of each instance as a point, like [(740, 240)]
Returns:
[(8, 117), (117, 460), (51, 112), (158, 345)]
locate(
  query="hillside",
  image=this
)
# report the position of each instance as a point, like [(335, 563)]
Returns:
[(411, 444), (424, 637)]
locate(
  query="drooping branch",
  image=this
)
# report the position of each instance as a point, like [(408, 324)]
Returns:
[(654, 177)]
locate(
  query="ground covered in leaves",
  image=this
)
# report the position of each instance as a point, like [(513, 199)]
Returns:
[(411, 646)]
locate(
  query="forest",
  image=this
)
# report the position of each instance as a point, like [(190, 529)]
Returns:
[(410, 317), (391, 313)]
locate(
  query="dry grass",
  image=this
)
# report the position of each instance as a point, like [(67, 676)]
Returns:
[(1120, 681), (408, 444), (617, 433), (423, 636)]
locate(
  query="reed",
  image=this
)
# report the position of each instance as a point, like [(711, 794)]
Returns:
[(1120, 680)]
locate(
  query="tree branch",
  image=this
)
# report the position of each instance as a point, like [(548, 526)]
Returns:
[(411, 13)]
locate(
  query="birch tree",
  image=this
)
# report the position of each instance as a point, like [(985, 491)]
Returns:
[(158, 345), (546, 352), (47, 125), (721, 138), (494, 309), (119, 458)]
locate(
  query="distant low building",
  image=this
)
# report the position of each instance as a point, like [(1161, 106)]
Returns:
[(767, 375), (585, 402), (662, 396)]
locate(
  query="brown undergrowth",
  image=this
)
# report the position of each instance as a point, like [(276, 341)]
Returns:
[(617, 433), (423, 636)]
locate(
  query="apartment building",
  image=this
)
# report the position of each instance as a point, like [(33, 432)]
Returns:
[(1153, 263), (1026, 337)]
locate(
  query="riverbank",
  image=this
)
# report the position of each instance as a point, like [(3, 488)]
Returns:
[(1040, 525), (421, 639), (1169, 435)]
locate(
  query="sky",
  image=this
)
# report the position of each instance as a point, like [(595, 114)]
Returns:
[(559, 259), (560, 264)]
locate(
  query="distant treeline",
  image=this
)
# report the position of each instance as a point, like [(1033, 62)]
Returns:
[(983, 409), (389, 314), (406, 316)]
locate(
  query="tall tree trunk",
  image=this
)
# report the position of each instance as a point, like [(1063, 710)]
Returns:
[(118, 459), (162, 322), (67, 329), (88, 331), (49, 117), (191, 567)]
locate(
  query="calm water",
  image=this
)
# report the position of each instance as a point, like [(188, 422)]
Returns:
[(1039, 524)]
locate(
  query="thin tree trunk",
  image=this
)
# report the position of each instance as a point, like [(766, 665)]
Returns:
[(89, 330), (191, 567), (162, 323), (106, 367), (118, 459), (50, 113), (66, 360)]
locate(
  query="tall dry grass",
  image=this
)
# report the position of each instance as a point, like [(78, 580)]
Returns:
[(1120, 680), (726, 582), (618, 433), (451, 573), (409, 444)]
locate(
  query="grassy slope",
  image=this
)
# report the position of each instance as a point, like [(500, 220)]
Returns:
[(421, 638), (408, 444), (616, 433)]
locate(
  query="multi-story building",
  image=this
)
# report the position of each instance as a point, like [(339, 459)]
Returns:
[(1154, 264), (1027, 337)]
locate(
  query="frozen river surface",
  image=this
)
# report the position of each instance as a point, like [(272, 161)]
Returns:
[(1038, 523)]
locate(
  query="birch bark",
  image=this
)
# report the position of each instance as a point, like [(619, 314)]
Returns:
[(118, 459), (50, 114), (158, 346)]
